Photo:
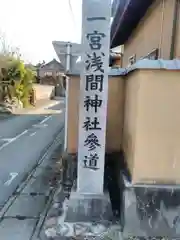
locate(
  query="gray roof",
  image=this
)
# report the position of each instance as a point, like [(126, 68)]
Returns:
[(141, 64), (155, 64), (54, 61), (112, 72)]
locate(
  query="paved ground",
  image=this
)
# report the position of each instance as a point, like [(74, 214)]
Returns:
[(23, 140), (30, 150), (34, 196), (74, 216), (22, 216)]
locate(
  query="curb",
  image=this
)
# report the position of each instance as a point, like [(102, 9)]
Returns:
[(34, 109), (4, 117)]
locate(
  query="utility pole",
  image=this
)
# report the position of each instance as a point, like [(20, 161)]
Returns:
[(68, 65), (68, 56)]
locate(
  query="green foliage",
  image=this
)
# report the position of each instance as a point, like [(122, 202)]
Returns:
[(16, 80), (16, 70), (24, 87)]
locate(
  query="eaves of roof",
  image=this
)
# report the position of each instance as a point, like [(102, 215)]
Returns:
[(126, 19)]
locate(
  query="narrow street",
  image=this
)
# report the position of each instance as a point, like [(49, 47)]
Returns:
[(23, 140)]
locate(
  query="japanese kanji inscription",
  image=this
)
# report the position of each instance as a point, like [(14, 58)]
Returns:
[(93, 95), (93, 102), (94, 82)]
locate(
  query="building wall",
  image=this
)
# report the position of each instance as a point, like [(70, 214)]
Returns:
[(154, 31), (151, 135), (129, 127), (48, 80), (43, 91), (114, 115), (177, 40)]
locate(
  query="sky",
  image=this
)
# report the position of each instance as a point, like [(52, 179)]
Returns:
[(32, 25)]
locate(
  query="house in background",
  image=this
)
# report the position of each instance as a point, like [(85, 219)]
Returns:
[(50, 72), (146, 29), (115, 59)]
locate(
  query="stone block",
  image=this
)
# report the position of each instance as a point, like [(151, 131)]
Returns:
[(88, 208), (150, 210)]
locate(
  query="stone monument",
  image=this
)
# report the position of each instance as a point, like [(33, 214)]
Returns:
[(89, 202), (93, 95)]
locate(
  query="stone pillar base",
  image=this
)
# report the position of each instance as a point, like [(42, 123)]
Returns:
[(87, 216), (89, 208), (150, 210)]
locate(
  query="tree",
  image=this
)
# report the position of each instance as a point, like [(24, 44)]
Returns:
[(16, 81), (4, 46), (10, 77), (15, 77), (26, 86), (6, 49)]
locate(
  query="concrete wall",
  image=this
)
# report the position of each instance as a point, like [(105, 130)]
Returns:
[(43, 91), (114, 114), (151, 135), (48, 80), (177, 40), (154, 31)]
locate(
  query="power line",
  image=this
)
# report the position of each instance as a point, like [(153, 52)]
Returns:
[(72, 14)]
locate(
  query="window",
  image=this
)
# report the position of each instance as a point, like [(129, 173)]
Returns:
[(131, 60), (48, 74), (58, 74), (152, 55)]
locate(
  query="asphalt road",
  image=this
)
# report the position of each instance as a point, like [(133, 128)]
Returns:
[(22, 141)]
